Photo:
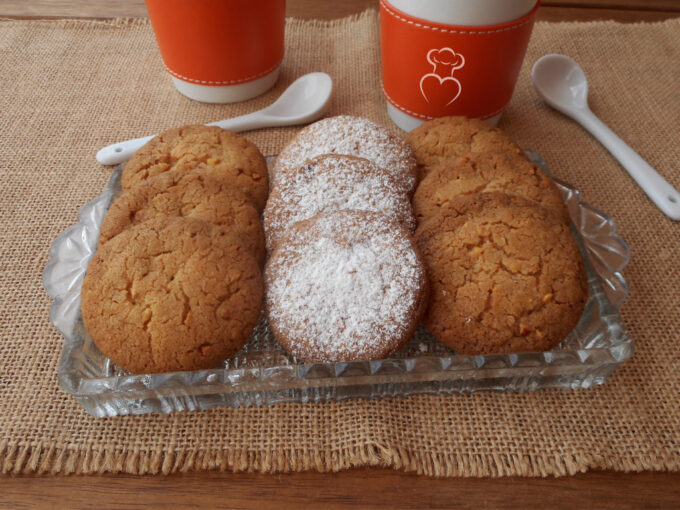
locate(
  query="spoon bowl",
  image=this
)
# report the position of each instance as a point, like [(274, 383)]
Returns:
[(305, 100), (562, 84)]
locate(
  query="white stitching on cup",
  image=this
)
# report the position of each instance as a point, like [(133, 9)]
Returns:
[(230, 82)]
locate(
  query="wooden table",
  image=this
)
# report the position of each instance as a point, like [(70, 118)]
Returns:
[(379, 488), (552, 10)]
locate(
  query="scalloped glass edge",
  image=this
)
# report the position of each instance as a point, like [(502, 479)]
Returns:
[(586, 358)]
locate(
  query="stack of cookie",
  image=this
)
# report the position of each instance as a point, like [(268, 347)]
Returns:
[(176, 281), (505, 272), (344, 280)]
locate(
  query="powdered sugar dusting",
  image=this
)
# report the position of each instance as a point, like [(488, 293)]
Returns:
[(333, 182), (353, 136), (347, 287)]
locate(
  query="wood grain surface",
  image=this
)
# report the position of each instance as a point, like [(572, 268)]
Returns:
[(374, 488), (552, 10)]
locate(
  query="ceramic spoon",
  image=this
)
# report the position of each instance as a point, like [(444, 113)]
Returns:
[(304, 101), (563, 85)]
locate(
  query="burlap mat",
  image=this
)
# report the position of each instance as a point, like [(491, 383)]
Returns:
[(69, 88)]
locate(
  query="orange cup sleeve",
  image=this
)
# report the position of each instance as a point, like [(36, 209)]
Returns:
[(432, 70), (219, 42)]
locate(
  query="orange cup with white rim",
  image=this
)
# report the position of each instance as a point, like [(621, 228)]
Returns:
[(452, 57), (220, 51)]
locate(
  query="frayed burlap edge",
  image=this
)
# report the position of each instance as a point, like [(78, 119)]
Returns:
[(50, 460), (79, 22), (130, 21)]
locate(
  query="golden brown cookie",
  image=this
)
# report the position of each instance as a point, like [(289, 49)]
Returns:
[(209, 148), (345, 286), (507, 173), (196, 194), (171, 294), (332, 182), (440, 139), (351, 136), (505, 275)]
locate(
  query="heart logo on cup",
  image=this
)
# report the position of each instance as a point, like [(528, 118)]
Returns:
[(438, 90), (439, 86)]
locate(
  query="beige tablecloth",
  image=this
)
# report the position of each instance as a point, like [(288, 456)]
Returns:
[(71, 87)]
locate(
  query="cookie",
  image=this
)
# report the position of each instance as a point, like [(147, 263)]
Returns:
[(193, 194), (332, 182), (507, 173), (210, 148), (505, 275), (171, 294), (345, 286), (351, 136), (440, 139)]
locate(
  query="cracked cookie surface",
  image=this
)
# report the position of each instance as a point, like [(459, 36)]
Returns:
[(333, 182), (505, 275), (171, 294), (209, 148), (194, 194), (345, 286), (440, 139), (480, 172)]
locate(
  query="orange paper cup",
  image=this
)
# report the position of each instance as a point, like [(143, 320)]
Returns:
[(220, 51), (433, 70)]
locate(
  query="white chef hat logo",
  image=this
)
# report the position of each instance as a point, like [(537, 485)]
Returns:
[(444, 62)]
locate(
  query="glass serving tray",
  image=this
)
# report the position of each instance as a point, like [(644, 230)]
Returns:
[(262, 373)]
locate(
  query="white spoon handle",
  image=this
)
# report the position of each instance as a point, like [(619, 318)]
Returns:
[(121, 151), (255, 120), (658, 189)]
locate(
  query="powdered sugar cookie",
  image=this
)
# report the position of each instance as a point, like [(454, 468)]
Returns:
[(352, 136), (345, 286), (334, 182)]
